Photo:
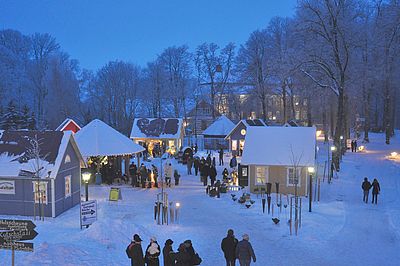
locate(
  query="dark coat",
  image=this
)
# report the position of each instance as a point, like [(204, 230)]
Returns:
[(182, 258), (168, 255), (152, 259), (244, 251), (205, 170), (366, 185), (213, 173), (233, 162), (221, 153), (375, 187), (228, 246), (208, 160), (136, 254)]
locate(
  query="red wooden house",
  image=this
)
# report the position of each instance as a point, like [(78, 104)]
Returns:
[(68, 125)]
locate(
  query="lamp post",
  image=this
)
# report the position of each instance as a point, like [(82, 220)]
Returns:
[(311, 171), (177, 205), (333, 149), (86, 178)]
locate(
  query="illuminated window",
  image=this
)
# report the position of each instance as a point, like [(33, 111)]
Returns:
[(40, 192), (261, 175), (67, 159), (68, 186), (234, 145)]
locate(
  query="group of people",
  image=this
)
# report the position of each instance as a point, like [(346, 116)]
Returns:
[(366, 186), (143, 176), (184, 256), (354, 145)]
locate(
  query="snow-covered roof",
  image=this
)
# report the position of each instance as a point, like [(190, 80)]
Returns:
[(284, 146), (66, 122), (220, 127), (248, 123), (157, 128), (17, 152), (99, 139)]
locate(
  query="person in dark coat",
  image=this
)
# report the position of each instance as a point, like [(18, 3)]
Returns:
[(133, 174), (375, 191), (204, 172), (213, 174), (221, 157), (208, 159), (189, 165), (152, 253), (196, 166), (135, 252), (182, 257), (244, 251), (366, 186), (168, 253), (195, 148), (352, 145), (213, 162), (225, 175), (228, 246), (233, 162), (355, 145)]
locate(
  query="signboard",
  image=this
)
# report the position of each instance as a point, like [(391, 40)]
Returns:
[(115, 194), (18, 246), (17, 225), (88, 212), (18, 235), (7, 187)]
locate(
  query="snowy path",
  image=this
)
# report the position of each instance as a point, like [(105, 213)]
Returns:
[(341, 230)]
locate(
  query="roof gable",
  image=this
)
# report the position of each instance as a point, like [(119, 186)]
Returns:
[(247, 123), (220, 127), (66, 123)]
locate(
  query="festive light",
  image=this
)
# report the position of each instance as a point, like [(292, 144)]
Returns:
[(311, 170), (86, 177), (333, 148)]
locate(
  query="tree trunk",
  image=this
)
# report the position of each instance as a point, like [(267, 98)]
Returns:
[(367, 98)]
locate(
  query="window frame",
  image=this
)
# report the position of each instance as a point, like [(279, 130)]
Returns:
[(298, 176), (70, 186), (266, 175)]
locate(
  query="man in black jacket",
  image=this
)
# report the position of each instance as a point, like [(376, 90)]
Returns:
[(135, 252), (228, 246), (366, 186)]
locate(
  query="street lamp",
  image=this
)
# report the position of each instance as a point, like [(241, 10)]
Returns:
[(333, 148), (86, 178), (177, 205), (393, 154), (311, 171)]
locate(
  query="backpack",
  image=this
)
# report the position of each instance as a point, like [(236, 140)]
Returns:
[(196, 260)]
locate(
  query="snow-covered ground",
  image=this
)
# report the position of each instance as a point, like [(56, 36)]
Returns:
[(341, 230)]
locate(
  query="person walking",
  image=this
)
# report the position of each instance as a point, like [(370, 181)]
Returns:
[(196, 166), (228, 246), (225, 175), (168, 253), (221, 157), (244, 251), (366, 186), (213, 174), (135, 252), (189, 165), (355, 145), (352, 145), (208, 159), (375, 191), (133, 174), (204, 172), (152, 253), (182, 257), (233, 162), (168, 174)]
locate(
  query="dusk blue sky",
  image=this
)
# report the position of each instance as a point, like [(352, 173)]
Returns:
[(95, 32)]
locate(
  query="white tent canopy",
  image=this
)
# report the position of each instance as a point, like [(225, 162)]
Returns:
[(283, 146), (99, 139)]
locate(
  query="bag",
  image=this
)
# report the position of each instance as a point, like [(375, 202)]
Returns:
[(196, 260), (128, 249)]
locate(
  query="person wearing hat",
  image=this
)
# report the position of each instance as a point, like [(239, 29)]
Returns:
[(182, 257), (135, 252), (245, 252), (228, 246), (152, 252), (168, 253)]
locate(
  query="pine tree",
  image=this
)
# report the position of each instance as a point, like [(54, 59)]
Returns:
[(24, 118), (32, 122), (11, 117)]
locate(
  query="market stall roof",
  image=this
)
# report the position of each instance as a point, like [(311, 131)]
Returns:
[(220, 127), (283, 146), (99, 139), (25, 153), (157, 128)]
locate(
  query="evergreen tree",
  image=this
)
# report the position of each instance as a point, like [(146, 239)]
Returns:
[(32, 122), (11, 117), (25, 118)]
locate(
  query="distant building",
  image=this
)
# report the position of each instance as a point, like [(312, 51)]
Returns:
[(279, 155), (291, 123), (68, 124), (214, 135), (236, 137), (39, 166), (200, 117), (165, 134)]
